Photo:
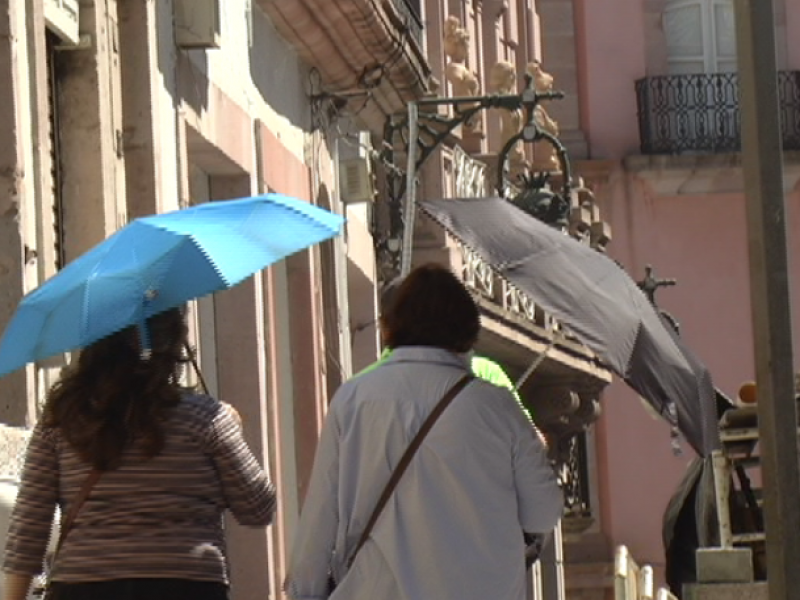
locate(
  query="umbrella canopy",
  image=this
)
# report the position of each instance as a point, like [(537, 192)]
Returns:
[(597, 300), (155, 263)]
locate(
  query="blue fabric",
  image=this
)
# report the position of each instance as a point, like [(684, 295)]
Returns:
[(156, 263)]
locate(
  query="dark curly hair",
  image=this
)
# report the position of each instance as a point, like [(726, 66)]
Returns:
[(113, 398), (431, 307)]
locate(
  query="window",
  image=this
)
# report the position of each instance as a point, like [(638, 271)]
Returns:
[(701, 36)]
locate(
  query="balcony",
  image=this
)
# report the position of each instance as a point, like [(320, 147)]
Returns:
[(699, 114)]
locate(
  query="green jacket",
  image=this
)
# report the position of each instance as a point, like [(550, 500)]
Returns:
[(482, 367)]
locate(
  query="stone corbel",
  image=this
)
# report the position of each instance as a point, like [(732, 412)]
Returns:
[(600, 235), (580, 220), (561, 411)]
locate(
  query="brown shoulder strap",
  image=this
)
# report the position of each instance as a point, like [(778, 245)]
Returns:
[(69, 520), (406, 459)]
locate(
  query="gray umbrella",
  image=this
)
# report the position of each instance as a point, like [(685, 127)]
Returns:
[(599, 303)]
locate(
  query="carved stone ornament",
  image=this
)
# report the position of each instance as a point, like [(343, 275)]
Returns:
[(503, 78), (463, 81), (470, 175)]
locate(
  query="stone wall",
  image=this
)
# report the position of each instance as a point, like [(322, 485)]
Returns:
[(13, 443)]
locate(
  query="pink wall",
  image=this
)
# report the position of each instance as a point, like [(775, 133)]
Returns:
[(701, 241), (637, 473), (286, 174), (792, 27), (698, 238), (610, 58)]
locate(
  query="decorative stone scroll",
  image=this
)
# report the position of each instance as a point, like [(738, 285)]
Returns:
[(518, 302), (470, 175), (476, 274)]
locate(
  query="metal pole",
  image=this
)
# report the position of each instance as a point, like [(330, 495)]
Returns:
[(769, 290), (409, 209), (534, 365)]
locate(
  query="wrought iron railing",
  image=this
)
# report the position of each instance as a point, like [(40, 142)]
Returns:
[(409, 11), (700, 113), (574, 476)]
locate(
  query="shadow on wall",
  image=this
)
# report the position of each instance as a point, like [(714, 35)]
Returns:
[(174, 63), (330, 305), (277, 72), (192, 80), (363, 316)]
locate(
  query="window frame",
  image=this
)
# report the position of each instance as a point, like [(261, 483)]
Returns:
[(712, 59)]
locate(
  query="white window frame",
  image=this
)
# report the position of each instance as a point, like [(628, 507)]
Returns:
[(712, 59)]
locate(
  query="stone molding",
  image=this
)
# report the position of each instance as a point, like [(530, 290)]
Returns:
[(701, 174)]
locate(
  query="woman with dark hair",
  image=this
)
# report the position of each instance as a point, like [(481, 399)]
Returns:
[(454, 525), (167, 463)]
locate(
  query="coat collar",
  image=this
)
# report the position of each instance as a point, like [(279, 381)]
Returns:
[(429, 354)]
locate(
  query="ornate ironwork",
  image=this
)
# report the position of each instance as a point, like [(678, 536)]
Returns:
[(476, 274), (536, 198), (521, 304), (650, 285), (532, 132), (573, 472), (470, 175), (431, 129), (700, 113)]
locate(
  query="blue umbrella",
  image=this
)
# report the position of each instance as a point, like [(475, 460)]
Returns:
[(156, 263)]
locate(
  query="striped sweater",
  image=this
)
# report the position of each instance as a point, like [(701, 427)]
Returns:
[(153, 518)]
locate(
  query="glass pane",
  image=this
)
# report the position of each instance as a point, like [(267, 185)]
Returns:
[(725, 31), (683, 26), (686, 67)]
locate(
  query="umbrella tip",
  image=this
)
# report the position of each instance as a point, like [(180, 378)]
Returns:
[(146, 351)]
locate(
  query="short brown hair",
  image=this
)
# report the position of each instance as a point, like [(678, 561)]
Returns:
[(431, 307)]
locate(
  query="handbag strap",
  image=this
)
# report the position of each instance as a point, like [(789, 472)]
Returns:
[(406, 459), (69, 520)]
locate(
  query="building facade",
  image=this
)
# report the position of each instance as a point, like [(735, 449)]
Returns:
[(120, 109), (650, 119), (656, 137)]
